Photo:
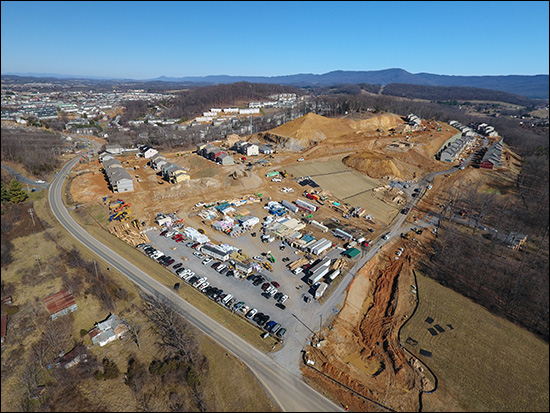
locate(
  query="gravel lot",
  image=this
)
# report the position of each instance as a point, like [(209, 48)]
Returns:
[(300, 319)]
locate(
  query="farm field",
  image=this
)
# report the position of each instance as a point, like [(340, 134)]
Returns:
[(347, 185), (482, 362)]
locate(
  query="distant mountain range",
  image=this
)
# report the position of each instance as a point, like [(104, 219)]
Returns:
[(531, 86), (535, 86)]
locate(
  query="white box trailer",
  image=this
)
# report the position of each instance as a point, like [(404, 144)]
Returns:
[(317, 275), (323, 263), (320, 290), (318, 225), (334, 273), (321, 247), (290, 206)]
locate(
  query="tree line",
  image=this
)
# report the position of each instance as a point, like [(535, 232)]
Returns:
[(38, 151)]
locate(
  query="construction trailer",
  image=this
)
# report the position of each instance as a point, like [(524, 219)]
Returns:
[(306, 205), (318, 225), (323, 263), (319, 246), (290, 206), (333, 274), (317, 275), (214, 252), (320, 290)]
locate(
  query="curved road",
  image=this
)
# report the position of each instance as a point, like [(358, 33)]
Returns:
[(288, 391)]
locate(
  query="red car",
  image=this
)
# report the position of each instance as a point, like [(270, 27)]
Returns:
[(275, 284), (264, 286)]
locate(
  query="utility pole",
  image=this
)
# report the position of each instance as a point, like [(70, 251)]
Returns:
[(88, 150), (39, 266), (32, 217)]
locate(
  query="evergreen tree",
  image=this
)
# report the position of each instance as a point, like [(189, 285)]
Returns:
[(5, 193), (16, 192)]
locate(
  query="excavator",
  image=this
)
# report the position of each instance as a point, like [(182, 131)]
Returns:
[(121, 207)]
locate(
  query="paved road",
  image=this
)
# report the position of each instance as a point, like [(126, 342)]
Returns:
[(24, 180), (288, 391)]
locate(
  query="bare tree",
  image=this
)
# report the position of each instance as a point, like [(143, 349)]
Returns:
[(133, 331)]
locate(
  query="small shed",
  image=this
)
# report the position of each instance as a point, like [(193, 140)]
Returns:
[(351, 252)]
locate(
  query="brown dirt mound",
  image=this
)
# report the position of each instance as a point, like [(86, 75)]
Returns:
[(383, 122), (311, 129), (373, 165)]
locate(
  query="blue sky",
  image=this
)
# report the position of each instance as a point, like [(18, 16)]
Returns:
[(143, 40)]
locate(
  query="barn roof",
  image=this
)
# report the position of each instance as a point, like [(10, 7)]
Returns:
[(59, 301)]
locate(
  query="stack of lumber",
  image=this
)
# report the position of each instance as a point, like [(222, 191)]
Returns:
[(129, 234)]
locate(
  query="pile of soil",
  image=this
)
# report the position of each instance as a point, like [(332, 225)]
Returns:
[(373, 164)]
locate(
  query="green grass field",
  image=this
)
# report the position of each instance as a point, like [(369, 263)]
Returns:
[(483, 363)]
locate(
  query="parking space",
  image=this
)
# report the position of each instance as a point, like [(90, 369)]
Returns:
[(243, 290)]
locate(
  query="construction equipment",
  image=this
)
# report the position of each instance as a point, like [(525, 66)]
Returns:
[(271, 258), (115, 204), (116, 216), (268, 266), (121, 207)]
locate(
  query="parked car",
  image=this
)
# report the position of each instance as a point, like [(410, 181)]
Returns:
[(275, 284), (198, 254), (251, 313), (283, 299), (269, 326), (264, 320), (207, 260), (281, 306), (243, 309), (281, 332), (176, 286), (265, 286), (275, 328)]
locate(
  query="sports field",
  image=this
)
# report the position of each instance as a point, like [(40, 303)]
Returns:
[(482, 362), (347, 185)]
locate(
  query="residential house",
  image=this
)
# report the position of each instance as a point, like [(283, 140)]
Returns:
[(114, 149), (516, 240), (148, 151), (110, 329), (225, 159)]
